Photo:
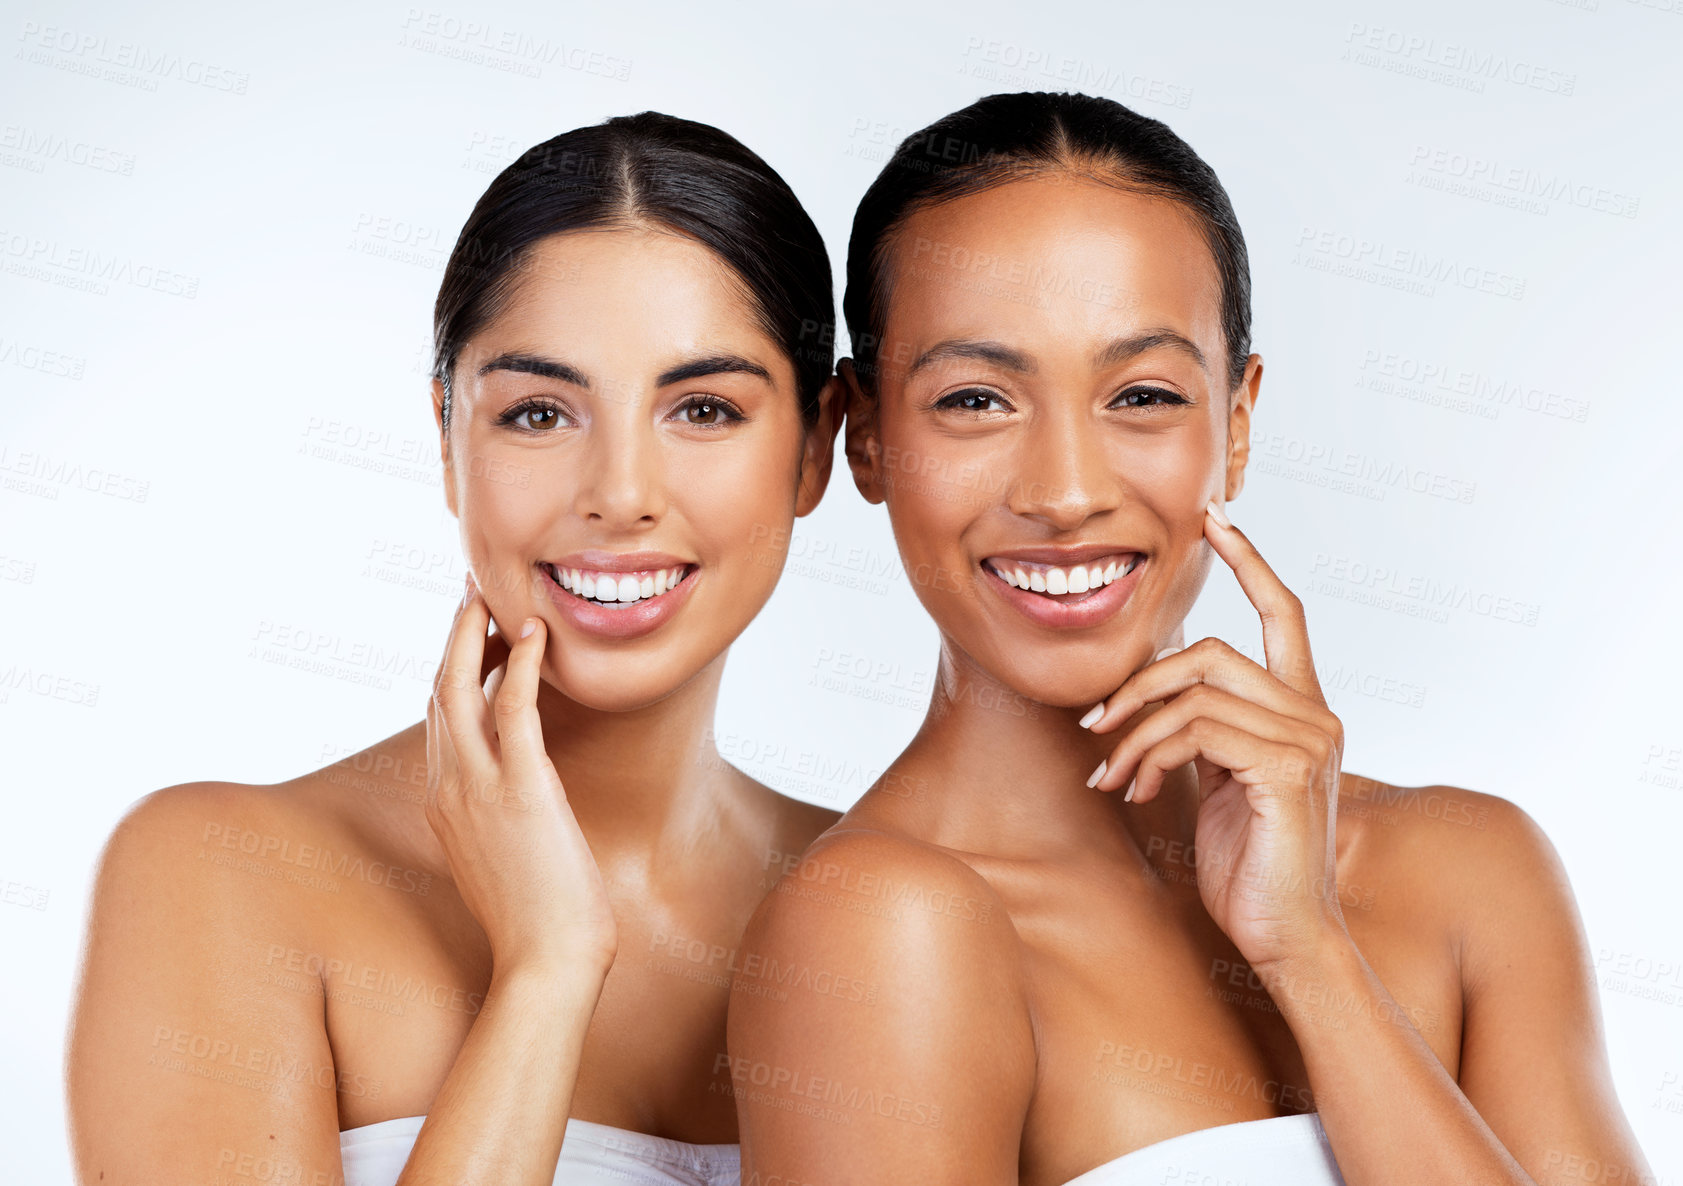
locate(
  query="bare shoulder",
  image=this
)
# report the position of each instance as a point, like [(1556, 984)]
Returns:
[(174, 836), (203, 866), (1479, 859), (178, 996), (866, 975), (885, 900)]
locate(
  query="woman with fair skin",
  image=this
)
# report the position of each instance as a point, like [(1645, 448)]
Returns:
[(1141, 926), (415, 965)]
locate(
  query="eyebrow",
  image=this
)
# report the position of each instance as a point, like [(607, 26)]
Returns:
[(713, 364), (535, 364), (551, 368), (1124, 349), (997, 353)]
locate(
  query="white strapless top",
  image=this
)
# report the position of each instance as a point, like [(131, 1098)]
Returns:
[(591, 1155), (1277, 1151)]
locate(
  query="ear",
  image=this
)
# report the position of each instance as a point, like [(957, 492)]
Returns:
[(444, 443), (864, 448), (818, 452), (1239, 427)]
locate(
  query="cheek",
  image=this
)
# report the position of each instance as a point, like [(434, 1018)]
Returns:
[(737, 505), (504, 516), (935, 486)]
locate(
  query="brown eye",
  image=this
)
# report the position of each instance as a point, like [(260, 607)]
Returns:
[(973, 399), (705, 411), (531, 415)]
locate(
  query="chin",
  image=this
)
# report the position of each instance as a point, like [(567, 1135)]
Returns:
[(1049, 681)]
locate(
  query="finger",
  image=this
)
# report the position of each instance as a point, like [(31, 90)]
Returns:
[(442, 780), (1285, 632), (1207, 661), (1253, 761), (1201, 701), (519, 728), (458, 689), (496, 654)]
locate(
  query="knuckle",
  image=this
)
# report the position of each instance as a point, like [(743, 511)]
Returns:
[(508, 704), (1297, 762)]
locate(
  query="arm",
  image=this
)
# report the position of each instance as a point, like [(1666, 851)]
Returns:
[(501, 1113), (1268, 752), (1535, 1102), (526, 873), (925, 1078), (184, 1062), (170, 947), (188, 1062)]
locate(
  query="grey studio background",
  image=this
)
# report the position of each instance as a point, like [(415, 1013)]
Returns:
[(225, 552)]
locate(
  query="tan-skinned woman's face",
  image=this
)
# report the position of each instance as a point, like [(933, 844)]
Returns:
[(626, 414), (1052, 394)]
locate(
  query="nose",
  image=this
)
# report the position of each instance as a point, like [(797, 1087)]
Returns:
[(1064, 473), (620, 483)]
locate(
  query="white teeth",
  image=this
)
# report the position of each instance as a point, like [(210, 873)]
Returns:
[(1059, 581), (615, 587)]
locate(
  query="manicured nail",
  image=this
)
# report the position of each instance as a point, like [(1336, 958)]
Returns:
[(1093, 714), (531, 625), (1093, 778), (1217, 513), (1129, 797)]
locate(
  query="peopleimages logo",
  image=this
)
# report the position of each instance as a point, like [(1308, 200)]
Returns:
[(1521, 181), (1418, 270), (78, 49)]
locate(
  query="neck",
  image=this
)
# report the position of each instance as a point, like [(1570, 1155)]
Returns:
[(1013, 772), (647, 780)]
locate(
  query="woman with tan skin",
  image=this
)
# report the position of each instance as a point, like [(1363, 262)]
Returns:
[(1140, 926), (415, 965)]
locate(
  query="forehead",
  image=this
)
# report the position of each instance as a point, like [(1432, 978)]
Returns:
[(630, 286), (1049, 260)]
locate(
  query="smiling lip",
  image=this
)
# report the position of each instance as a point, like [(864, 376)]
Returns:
[(1065, 610), (659, 583)]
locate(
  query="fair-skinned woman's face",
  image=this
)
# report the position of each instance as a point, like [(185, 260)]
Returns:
[(626, 456), (1051, 416)]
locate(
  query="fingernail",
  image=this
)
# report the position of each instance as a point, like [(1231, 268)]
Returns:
[(531, 625), (1217, 513), (1129, 797), (1093, 714), (1165, 653), (1093, 778)]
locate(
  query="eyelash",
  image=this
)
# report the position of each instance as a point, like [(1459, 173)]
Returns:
[(1166, 398), (511, 417)]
